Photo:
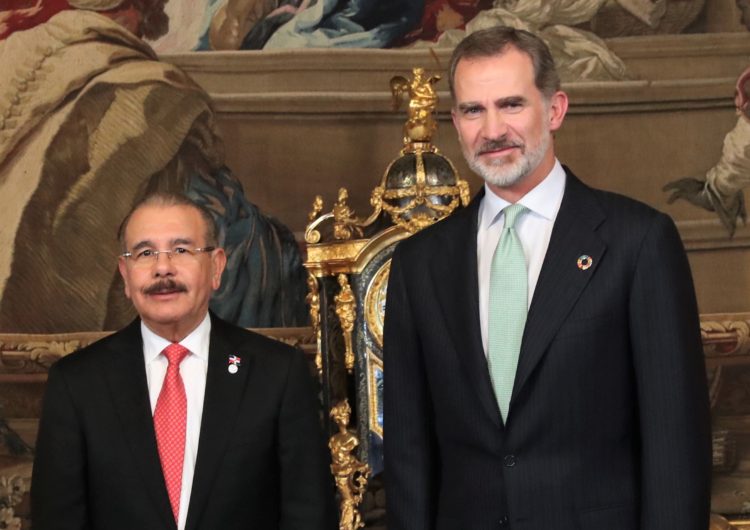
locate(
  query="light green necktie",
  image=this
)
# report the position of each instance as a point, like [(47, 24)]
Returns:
[(507, 308)]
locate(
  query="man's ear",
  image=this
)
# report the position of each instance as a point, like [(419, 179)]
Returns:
[(219, 262), (122, 267), (557, 108), (454, 117)]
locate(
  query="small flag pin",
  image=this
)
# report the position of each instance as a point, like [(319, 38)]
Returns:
[(234, 364)]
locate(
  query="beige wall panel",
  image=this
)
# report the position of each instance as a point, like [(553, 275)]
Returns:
[(722, 279), (684, 56), (637, 153), (286, 160)]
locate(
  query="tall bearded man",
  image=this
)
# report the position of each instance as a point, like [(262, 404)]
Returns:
[(542, 346)]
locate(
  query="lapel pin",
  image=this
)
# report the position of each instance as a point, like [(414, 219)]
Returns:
[(234, 364), (585, 262)]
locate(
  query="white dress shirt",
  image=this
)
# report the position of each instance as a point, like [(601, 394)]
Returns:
[(193, 369), (534, 229)]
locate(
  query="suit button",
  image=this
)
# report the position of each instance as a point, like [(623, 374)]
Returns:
[(509, 461), (504, 521)]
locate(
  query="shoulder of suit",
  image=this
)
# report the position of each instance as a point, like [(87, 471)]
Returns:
[(441, 233), (249, 339), (619, 207), (616, 206), (93, 355)]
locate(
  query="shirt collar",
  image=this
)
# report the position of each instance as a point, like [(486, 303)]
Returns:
[(544, 200), (196, 342)]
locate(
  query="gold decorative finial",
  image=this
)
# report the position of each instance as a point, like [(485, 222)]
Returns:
[(344, 220), (346, 308), (311, 235), (345, 223), (349, 473), (317, 207), (422, 105)]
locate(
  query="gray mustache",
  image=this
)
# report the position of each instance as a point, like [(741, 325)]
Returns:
[(502, 143), (165, 286)]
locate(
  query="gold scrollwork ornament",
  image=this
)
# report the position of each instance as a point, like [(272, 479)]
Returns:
[(313, 300)]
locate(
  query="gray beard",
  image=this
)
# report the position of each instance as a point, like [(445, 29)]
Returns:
[(504, 174)]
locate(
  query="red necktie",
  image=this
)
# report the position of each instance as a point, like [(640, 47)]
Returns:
[(170, 417)]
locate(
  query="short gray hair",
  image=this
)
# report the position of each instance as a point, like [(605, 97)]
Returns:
[(495, 41), (164, 198)]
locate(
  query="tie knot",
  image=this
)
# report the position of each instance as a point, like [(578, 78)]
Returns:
[(512, 213), (175, 353)]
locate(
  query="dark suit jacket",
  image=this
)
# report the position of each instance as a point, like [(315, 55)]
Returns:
[(609, 422), (261, 461)]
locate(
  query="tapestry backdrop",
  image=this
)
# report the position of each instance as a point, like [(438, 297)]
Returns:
[(254, 107)]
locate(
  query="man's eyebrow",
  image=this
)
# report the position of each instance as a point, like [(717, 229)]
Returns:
[(147, 243), (510, 100), (143, 244), (463, 107)]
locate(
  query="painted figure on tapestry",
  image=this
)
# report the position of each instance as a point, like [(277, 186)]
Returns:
[(720, 190), (573, 29), (90, 121), (259, 24)]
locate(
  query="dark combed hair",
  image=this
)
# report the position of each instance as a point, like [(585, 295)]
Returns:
[(164, 198), (495, 41)]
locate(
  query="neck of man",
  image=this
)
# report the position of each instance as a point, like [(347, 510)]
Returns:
[(516, 191), (175, 331)]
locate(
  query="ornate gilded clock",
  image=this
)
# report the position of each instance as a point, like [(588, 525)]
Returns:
[(348, 260)]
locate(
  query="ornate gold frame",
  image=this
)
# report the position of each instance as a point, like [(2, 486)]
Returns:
[(726, 342), (372, 399), (373, 319)]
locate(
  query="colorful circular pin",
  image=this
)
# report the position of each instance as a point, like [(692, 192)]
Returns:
[(232, 368), (585, 261)]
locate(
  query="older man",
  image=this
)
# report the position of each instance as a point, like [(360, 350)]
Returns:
[(180, 420), (542, 348)]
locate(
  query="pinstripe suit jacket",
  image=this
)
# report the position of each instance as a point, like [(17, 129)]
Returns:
[(609, 422)]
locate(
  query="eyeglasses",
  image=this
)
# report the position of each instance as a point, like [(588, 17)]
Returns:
[(148, 256)]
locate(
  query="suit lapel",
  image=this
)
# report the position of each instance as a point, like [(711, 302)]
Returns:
[(224, 392), (455, 280), (561, 281), (127, 381)]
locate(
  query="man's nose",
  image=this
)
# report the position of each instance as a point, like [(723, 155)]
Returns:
[(494, 125), (164, 265)]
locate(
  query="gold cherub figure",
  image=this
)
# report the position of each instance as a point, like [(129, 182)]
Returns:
[(349, 473), (422, 104)]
